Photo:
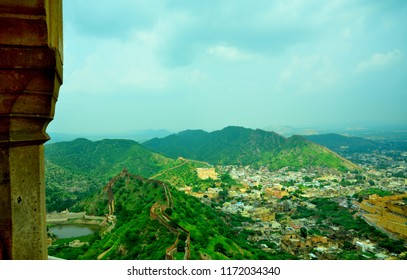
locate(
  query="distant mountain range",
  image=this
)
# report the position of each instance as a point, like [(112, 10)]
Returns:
[(77, 168), (351, 144), (137, 135), (242, 146), (287, 131), (340, 143), (369, 131), (231, 145)]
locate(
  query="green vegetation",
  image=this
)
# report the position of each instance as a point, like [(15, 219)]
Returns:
[(65, 188), (394, 246), (336, 143), (184, 175), (366, 192), (135, 235), (351, 255), (106, 158), (207, 227), (227, 180), (60, 248), (328, 212)]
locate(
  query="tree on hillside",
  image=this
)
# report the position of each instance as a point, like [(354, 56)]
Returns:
[(174, 223), (220, 248), (303, 232), (181, 245), (168, 211)]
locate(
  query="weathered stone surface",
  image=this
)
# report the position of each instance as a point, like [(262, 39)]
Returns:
[(30, 78), (26, 32), (27, 57), (28, 93), (25, 7), (22, 192), (5, 206)]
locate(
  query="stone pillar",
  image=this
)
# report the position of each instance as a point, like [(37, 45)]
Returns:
[(30, 77)]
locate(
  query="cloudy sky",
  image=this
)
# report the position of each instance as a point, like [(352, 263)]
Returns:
[(179, 64)]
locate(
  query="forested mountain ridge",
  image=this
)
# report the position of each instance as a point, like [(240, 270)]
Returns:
[(76, 169), (337, 142), (106, 157), (243, 146)]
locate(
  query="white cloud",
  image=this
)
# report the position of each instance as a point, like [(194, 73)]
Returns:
[(120, 66), (228, 53), (379, 61)]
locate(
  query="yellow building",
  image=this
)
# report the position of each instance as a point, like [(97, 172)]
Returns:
[(389, 212), (264, 214), (206, 173), (294, 244), (276, 192)]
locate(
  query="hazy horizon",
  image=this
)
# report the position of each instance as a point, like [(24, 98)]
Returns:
[(179, 65), (141, 135)]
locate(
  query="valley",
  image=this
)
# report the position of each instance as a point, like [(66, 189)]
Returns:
[(307, 210)]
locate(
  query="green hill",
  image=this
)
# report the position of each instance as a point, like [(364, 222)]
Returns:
[(106, 157), (242, 146), (138, 235), (184, 174), (64, 187), (77, 168)]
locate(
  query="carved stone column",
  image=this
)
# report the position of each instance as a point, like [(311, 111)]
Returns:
[(30, 77)]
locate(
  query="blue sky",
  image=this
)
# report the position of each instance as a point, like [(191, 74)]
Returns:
[(175, 65)]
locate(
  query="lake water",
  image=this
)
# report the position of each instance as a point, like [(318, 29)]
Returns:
[(68, 231)]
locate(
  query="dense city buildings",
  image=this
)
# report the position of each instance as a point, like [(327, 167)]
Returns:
[(282, 205)]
